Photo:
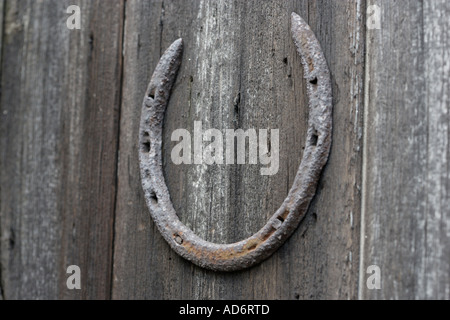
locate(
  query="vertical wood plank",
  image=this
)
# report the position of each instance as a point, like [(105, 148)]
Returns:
[(2, 4), (406, 168), (240, 70), (59, 129)]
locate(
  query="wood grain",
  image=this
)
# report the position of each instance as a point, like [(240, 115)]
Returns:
[(406, 168), (70, 191), (59, 135), (240, 70), (2, 5)]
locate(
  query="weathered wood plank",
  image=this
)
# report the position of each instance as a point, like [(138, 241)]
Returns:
[(59, 135), (2, 3), (240, 70), (406, 168)]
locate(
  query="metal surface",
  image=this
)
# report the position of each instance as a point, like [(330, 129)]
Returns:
[(283, 223)]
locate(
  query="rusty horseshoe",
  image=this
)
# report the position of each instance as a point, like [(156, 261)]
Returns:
[(261, 245)]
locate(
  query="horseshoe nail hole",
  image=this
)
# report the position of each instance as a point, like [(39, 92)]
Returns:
[(285, 60), (314, 81), (146, 147), (178, 240), (153, 197), (252, 247), (152, 93), (315, 139), (284, 216)]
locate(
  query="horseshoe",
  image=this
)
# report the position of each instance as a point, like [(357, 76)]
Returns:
[(261, 245)]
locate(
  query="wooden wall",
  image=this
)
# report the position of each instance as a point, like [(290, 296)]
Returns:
[(60, 111), (70, 191), (406, 194)]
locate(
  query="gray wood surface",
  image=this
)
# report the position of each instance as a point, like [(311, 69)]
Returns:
[(58, 140), (70, 191), (240, 70), (406, 168), (2, 3)]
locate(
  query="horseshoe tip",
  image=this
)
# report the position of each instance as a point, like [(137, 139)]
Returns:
[(176, 46), (296, 19), (178, 41)]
